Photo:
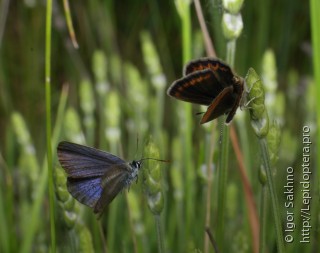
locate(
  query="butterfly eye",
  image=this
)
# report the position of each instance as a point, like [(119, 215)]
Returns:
[(136, 164)]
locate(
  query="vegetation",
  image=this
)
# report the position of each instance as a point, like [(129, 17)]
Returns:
[(100, 79)]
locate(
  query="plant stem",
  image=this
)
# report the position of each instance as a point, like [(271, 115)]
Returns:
[(263, 219), (274, 199), (206, 37), (222, 182), (209, 187), (315, 34), (224, 158), (131, 226), (248, 193), (43, 179), (159, 234), (69, 23), (231, 52), (186, 131), (48, 122)]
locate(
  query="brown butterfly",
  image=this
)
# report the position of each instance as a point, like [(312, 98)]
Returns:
[(210, 82)]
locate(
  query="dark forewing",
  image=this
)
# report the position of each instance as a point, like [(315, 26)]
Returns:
[(81, 161), (200, 87), (221, 105), (222, 71)]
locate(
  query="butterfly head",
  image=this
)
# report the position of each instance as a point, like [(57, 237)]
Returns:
[(136, 164)]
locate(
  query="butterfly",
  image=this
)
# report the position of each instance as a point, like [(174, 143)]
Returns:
[(95, 177), (208, 81)]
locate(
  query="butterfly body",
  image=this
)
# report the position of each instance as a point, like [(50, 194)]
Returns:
[(95, 177), (212, 83)]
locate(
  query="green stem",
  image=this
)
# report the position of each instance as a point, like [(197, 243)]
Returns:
[(263, 218), (222, 181), (69, 23), (35, 212), (131, 226), (210, 141), (159, 234), (231, 52), (48, 121), (186, 36), (4, 224), (159, 119), (224, 158), (186, 133), (274, 199), (315, 34), (43, 179), (60, 114)]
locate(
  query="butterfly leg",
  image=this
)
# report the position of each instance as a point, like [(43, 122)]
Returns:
[(245, 104)]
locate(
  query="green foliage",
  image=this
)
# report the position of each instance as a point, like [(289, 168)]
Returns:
[(111, 94)]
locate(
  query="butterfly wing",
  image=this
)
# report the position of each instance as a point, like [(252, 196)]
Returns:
[(81, 161), (113, 181), (223, 72), (86, 190), (199, 87), (209, 81), (238, 89), (222, 104), (85, 167)]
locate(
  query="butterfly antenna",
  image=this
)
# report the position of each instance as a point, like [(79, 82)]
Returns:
[(137, 145), (159, 160), (137, 141)]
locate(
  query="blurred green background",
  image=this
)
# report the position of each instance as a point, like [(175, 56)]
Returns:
[(111, 92)]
